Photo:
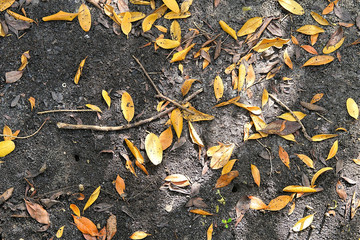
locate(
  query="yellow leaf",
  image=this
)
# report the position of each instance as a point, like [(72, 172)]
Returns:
[(264, 98), (306, 160), (319, 19), (250, 77), (292, 208), (228, 29), (61, 16), (330, 49), (126, 24), (250, 26), (4, 4), (278, 203), (149, 21), (247, 127), (185, 88), (179, 56), (24, 60), (140, 2), (287, 59), (356, 161), (321, 137), (153, 148), (195, 136), (135, 16), (172, 5), (292, 6), (218, 87), (288, 116), (231, 101), (177, 121), (201, 212), (59, 232), (352, 108), (209, 232), (32, 102), (174, 15), (75, 209), (185, 5), (129, 165), (333, 150), (289, 137), (198, 116), (141, 166), (316, 97), (257, 203), (135, 151), (127, 106), (256, 174), (19, 17), (228, 167), (93, 107), (161, 28), (6, 147), (139, 235), (79, 71), (259, 124), (230, 68), (299, 189), (253, 109), (303, 223), (211, 151), (120, 186), (222, 156), (284, 156), (241, 78), (106, 97), (341, 129), (166, 138), (318, 60), (84, 17), (92, 198), (310, 29), (226, 179), (318, 173), (167, 43), (175, 31), (267, 43)]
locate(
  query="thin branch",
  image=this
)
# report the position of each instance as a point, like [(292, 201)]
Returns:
[(29, 136), (66, 110), (303, 129)]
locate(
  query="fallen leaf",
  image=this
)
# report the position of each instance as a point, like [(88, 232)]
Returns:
[(8, 133), (356, 161), (179, 56), (292, 208), (6, 195), (111, 227), (135, 151), (340, 190), (235, 99), (299, 189), (314, 38), (185, 88), (329, 8), (257, 203), (228, 166), (310, 30), (94, 107), (209, 232), (318, 60), (75, 209), (153, 148), (319, 19), (178, 180), (303, 223), (264, 98), (318, 173), (241, 77), (221, 156), (333, 150), (129, 165), (185, 5), (32, 102), (86, 226), (255, 174), (127, 106), (79, 71), (106, 97), (139, 235), (335, 41), (250, 26), (172, 5), (218, 87), (174, 15), (167, 43), (37, 212), (84, 17), (166, 138), (177, 121), (250, 77), (149, 21), (141, 166), (195, 136), (292, 6), (306, 160), (19, 17), (316, 98), (321, 137), (228, 29), (267, 43), (226, 179), (278, 203), (284, 157), (287, 59), (126, 24), (198, 116), (6, 147), (288, 116), (252, 109), (352, 108), (175, 31), (120, 186), (161, 28), (281, 127), (13, 76), (92, 198), (201, 212), (4, 4), (24, 60), (294, 40), (61, 16)]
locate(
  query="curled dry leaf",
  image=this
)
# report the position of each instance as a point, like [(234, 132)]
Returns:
[(312, 107), (226, 179), (256, 174), (318, 173), (111, 227), (303, 223), (106, 97), (241, 78), (19, 17), (195, 136), (84, 17), (287, 59), (37, 212), (79, 71), (178, 179), (153, 148), (253, 109), (6, 147), (6, 195), (279, 203), (120, 186), (86, 226), (92, 198), (257, 203)]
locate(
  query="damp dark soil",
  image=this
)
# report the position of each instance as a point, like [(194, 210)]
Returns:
[(74, 157)]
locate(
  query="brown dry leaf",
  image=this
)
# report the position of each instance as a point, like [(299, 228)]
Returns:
[(279, 203), (13, 76), (316, 98), (179, 56), (86, 226), (228, 29), (127, 106), (267, 43), (153, 148), (318, 173), (284, 156), (292, 6), (226, 179), (306, 160), (340, 190), (257, 203), (37, 212), (6, 195), (250, 26), (61, 16), (352, 108), (178, 179), (289, 117), (281, 127), (303, 223), (335, 41), (120, 186), (256, 174), (135, 151), (75, 209), (222, 156), (166, 138), (333, 150), (322, 137), (319, 19), (84, 17), (185, 88), (329, 8), (177, 121), (92, 198), (79, 71), (287, 59), (111, 227), (310, 30), (299, 189), (5, 4), (195, 136), (209, 232), (319, 60), (264, 98), (228, 167)]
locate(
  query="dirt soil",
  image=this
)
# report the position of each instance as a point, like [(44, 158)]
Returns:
[(74, 157)]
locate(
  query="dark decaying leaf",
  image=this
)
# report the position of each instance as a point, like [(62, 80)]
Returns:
[(181, 141), (348, 180), (196, 202), (358, 21), (312, 107), (111, 227), (336, 37), (195, 189), (205, 55), (275, 29), (341, 13), (102, 207), (217, 49), (242, 206), (339, 165), (340, 190), (305, 180), (216, 3), (6, 195), (281, 127)]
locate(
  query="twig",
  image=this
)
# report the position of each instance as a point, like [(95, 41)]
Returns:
[(323, 117), (123, 127), (269, 152), (303, 129), (66, 110), (29, 136)]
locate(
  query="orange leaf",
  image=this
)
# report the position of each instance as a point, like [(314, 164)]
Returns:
[(135, 151), (142, 167), (37, 212), (314, 38), (129, 166), (8, 133), (32, 102), (201, 212), (316, 97), (318, 60), (86, 226), (309, 49), (61, 16), (264, 98), (294, 40), (177, 121), (228, 167), (256, 203), (79, 71), (279, 203), (120, 186), (321, 137), (287, 59), (75, 209), (185, 88), (329, 8), (226, 179), (284, 156), (166, 138), (333, 150), (256, 174)]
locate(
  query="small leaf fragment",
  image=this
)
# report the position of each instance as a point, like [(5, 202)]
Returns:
[(352, 108), (255, 174), (340, 190), (6, 147), (92, 198), (316, 98), (303, 223), (287, 59), (264, 98), (333, 150), (106, 97), (111, 227), (79, 71), (228, 29), (153, 148), (13, 76), (84, 17), (32, 102)]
